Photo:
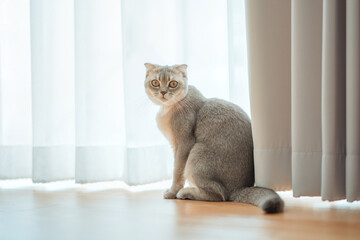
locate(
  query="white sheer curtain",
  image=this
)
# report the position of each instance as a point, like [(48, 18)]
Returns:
[(72, 101)]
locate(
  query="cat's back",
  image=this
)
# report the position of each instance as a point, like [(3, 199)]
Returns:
[(222, 120), (222, 111)]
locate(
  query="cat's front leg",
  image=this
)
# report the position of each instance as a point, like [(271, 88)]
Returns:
[(171, 192), (181, 155)]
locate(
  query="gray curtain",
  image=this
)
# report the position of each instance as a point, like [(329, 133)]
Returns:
[(304, 61)]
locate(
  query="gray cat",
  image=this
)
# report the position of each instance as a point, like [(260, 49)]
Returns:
[(212, 142)]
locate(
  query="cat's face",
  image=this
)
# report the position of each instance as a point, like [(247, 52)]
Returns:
[(166, 85)]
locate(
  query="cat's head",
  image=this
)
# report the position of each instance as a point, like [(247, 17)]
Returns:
[(166, 85)]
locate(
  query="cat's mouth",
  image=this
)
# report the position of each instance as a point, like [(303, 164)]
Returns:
[(163, 99)]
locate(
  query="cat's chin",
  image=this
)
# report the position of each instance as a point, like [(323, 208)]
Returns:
[(162, 102), (166, 102)]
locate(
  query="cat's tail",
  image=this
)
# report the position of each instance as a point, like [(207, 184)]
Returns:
[(265, 198)]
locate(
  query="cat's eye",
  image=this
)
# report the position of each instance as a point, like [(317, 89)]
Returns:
[(155, 83), (173, 84)]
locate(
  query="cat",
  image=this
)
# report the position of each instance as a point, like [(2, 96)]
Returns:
[(211, 139)]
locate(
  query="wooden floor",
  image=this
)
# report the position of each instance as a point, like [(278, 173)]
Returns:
[(77, 212)]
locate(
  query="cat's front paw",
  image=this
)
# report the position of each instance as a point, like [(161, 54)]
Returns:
[(169, 194)]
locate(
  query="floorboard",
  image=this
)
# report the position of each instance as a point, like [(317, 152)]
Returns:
[(116, 213)]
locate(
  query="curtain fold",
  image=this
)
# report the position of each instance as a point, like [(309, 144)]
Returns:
[(52, 85), (323, 91), (15, 90), (333, 103), (99, 102), (268, 30), (352, 100), (306, 60)]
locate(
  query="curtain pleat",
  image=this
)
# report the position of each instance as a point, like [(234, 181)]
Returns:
[(100, 126), (15, 90), (352, 100), (306, 139), (269, 38), (333, 100), (325, 84), (52, 84)]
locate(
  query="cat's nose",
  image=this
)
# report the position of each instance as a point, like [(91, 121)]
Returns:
[(163, 93)]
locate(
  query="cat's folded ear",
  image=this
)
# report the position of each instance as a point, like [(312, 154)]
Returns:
[(149, 66), (182, 68)]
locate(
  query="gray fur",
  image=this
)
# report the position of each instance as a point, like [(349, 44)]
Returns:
[(212, 143)]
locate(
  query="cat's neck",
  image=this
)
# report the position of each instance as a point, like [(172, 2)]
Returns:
[(194, 97), (192, 101)]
